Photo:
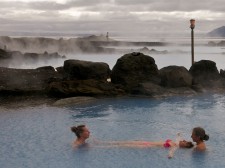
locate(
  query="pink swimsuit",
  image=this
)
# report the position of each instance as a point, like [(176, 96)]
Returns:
[(167, 143)]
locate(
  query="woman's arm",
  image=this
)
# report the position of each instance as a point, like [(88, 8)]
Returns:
[(174, 145), (172, 151)]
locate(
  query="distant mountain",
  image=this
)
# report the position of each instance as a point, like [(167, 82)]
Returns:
[(219, 32)]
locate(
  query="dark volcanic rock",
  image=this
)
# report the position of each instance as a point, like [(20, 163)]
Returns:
[(134, 74), (204, 70), (134, 68), (46, 68), (25, 80), (222, 73), (83, 88), (60, 69), (4, 54), (175, 76), (206, 74), (82, 70), (148, 89)]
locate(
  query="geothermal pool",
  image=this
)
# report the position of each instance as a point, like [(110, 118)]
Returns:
[(40, 136)]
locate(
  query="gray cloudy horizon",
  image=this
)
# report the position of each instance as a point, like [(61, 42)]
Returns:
[(100, 16)]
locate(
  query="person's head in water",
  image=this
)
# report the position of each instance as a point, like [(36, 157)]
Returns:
[(81, 131), (199, 135), (186, 144)]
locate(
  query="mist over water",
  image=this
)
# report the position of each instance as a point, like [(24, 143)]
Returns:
[(180, 56), (178, 53), (174, 57), (39, 63)]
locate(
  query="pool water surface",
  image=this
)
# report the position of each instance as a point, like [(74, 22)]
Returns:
[(40, 136)]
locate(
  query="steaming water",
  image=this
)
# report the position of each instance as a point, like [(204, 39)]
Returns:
[(216, 54), (40, 136), (178, 54)]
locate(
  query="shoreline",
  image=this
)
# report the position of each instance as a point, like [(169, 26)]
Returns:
[(32, 101), (12, 101)]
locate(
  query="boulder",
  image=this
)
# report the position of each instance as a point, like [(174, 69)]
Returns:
[(206, 74), (4, 54), (134, 68), (175, 76), (82, 70), (222, 73), (46, 68), (26, 80), (204, 70)]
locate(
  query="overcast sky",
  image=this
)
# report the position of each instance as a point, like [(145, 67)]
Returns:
[(114, 16)]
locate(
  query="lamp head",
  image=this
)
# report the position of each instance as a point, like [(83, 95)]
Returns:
[(192, 22)]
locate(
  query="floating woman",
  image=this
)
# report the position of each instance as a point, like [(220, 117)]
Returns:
[(171, 145), (83, 134)]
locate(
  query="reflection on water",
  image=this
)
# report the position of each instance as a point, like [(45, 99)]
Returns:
[(40, 136)]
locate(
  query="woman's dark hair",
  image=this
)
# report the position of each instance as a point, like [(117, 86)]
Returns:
[(77, 130), (200, 132)]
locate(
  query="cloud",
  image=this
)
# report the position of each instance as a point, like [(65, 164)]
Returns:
[(174, 5), (99, 15)]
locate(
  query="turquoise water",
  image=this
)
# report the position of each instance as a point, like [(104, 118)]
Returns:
[(40, 136)]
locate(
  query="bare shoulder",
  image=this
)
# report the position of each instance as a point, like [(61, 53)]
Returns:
[(74, 145), (201, 147)]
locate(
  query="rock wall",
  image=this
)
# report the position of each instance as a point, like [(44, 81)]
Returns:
[(133, 74)]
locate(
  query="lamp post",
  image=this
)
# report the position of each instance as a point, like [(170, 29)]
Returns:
[(192, 26)]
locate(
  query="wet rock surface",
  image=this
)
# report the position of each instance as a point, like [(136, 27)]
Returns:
[(175, 76), (134, 68), (26, 80), (81, 70), (206, 74)]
